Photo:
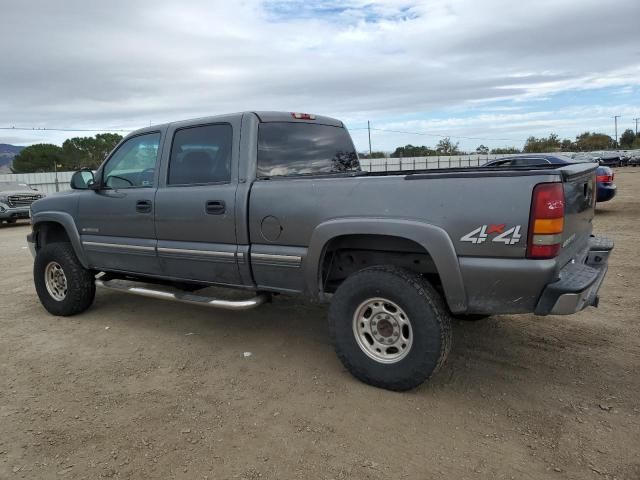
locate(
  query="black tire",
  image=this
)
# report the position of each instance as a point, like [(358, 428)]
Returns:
[(429, 319), (80, 283)]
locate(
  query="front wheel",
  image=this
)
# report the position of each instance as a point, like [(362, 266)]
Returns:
[(390, 327), (63, 285)]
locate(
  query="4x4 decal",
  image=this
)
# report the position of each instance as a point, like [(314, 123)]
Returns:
[(510, 236)]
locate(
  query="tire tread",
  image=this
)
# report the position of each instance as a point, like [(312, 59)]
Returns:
[(429, 295), (81, 287)]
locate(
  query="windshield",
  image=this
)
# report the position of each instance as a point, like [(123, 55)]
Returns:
[(9, 186)]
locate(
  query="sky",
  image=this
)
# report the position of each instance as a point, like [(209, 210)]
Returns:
[(488, 72)]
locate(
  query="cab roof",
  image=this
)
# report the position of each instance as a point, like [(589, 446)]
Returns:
[(263, 117)]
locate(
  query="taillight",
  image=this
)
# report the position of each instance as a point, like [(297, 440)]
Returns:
[(546, 223), (303, 116), (604, 178)]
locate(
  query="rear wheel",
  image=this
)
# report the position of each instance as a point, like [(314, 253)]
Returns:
[(390, 327), (63, 285)]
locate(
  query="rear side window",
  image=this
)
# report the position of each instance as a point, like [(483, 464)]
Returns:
[(286, 148), (201, 155)]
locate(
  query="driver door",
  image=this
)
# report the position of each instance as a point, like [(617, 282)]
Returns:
[(116, 222)]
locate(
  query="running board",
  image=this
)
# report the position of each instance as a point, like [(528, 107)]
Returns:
[(184, 297)]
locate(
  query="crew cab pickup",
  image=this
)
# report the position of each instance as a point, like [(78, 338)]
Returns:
[(276, 202)]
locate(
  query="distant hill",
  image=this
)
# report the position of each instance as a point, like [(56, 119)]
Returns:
[(7, 152)]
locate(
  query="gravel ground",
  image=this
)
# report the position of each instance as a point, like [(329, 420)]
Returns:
[(139, 388)]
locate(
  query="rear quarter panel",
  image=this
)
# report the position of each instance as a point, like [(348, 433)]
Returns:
[(458, 205)]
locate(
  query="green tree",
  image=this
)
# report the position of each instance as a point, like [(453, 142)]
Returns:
[(504, 151), (447, 147), (587, 142), (542, 144), (88, 152), (567, 145), (41, 157), (373, 155), (482, 150), (627, 138), (412, 151)]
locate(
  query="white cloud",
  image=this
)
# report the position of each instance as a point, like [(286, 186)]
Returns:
[(125, 63)]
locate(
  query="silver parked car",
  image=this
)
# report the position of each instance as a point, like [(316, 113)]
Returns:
[(15, 200)]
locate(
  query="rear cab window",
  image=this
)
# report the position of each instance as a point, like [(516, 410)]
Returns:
[(289, 149)]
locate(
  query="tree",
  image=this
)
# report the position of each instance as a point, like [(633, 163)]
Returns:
[(412, 151), (373, 155), (542, 144), (567, 145), (587, 142), (41, 157), (504, 151), (80, 152), (447, 147), (482, 150), (627, 138)]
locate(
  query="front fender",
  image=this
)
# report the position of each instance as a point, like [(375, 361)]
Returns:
[(67, 222), (433, 239)]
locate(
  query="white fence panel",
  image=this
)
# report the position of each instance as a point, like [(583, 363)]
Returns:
[(50, 182), (47, 182), (424, 163)]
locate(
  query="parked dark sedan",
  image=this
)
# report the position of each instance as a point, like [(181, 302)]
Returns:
[(604, 175)]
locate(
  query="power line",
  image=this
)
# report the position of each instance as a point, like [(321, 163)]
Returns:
[(426, 134), (45, 129), (406, 132), (437, 135)]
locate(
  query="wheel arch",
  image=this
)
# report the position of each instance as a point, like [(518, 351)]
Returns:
[(434, 241), (49, 227)]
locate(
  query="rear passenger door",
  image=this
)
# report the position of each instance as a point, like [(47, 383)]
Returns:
[(195, 204)]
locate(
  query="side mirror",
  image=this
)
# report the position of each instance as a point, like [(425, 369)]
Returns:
[(83, 180)]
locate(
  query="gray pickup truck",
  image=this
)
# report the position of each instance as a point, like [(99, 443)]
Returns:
[(274, 202), (15, 200)]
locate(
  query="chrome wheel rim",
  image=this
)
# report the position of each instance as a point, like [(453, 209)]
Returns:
[(382, 330), (55, 281)]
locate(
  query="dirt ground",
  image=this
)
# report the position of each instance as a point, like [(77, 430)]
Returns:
[(140, 388)]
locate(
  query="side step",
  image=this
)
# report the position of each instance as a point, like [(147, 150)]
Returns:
[(184, 297)]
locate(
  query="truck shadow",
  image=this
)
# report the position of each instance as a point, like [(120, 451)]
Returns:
[(493, 354)]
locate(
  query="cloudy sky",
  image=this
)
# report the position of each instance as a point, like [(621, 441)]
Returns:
[(490, 72)]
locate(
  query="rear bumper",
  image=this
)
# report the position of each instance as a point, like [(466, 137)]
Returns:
[(578, 283), (605, 193)]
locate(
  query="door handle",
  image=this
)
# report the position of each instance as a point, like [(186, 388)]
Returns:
[(143, 206), (215, 207)]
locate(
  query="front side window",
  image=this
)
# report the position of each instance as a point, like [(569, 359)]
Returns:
[(201, 155), (286, 148), (134, 163)]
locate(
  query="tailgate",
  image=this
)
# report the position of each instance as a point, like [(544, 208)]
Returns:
[(579, 182)]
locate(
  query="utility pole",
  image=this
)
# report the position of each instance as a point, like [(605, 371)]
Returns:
[(369, 130), (615, 119), (55, 169), (636, 119)]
